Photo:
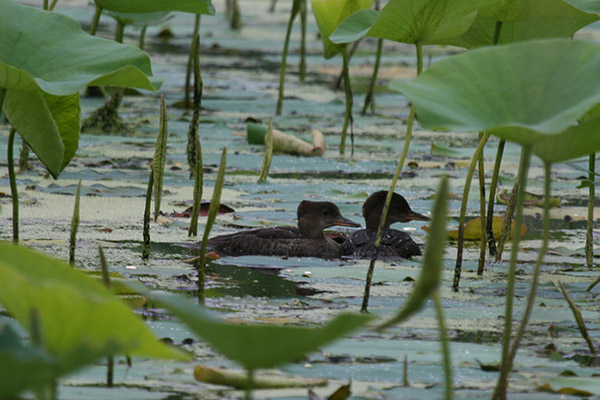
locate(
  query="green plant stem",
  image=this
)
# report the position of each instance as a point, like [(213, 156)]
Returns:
[(198, 183), (95, 21), (236, 19), (589, 238), (192, 138), (405, 382), (119, 32), (250, 385), (507, 223), (463, 210), (370, 96), (146, 232), (578, 319), (74, 226), (2, 96), (264, 172), (497, 31), (24, 164), (190, 63), (143, 37), (492, 198), (303, 23), (282, 67), (110, 361), (215, 203), (439, 311), (411, 117), (52, 5), (592, 285), (348, 120), (45, 5), (537, 268), (505, 366), (483, 243), (338, 83), (13, 185)]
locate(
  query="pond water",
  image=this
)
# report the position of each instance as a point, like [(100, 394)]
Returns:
[(240, 73)]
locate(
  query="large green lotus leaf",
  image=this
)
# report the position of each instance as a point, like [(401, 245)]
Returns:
[(524, 20), (424, 21), (329, 13), (45, 52), (141, 20), (517, 91), (78, 315), (431, 273), (354, 27), (577, 141), (147, 6), (257, 346)]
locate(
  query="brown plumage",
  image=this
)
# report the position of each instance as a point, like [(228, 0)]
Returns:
[(395, 244), (307, 240)]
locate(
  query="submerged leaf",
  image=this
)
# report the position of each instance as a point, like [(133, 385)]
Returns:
[(472, 229), (150, 6)]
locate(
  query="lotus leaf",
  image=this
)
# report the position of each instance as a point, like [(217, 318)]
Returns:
[(529, 92), (45, 60), (149, 6), (78, 315)]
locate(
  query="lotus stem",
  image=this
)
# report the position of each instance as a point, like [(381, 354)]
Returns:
[(95, 21), (119, 32), (505, 366), (537, 268), (190, 63), (198, 183), (589, 237), (463, 211), (146, 230), (45, 5), (497, 31), (439, 310), (507, 224), (52, 5), (348, 120), (250, 384), (282, 67), (74, 226), (160, 156), (264, 172), (36, 339), (338, 82), (592, 285), (236, 19), (143, 37), (303, 23), (492, 198), (110, 361), (405, 382), (388, 199), (370, 96), (272, 6), (578, 319), (215, 203), (24, 164), (483, 243), (13, 185), (192, 146)]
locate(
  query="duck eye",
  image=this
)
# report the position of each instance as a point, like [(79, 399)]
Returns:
[(325, 212)]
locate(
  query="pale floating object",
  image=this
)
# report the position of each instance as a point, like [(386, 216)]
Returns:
[(284, 142), (306, 274), (130, 267)]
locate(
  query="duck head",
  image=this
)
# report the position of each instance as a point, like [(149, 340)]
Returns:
[(314, 216), (399, 210)]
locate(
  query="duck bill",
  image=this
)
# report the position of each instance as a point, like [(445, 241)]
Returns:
[(413, 216), (341, 221)]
